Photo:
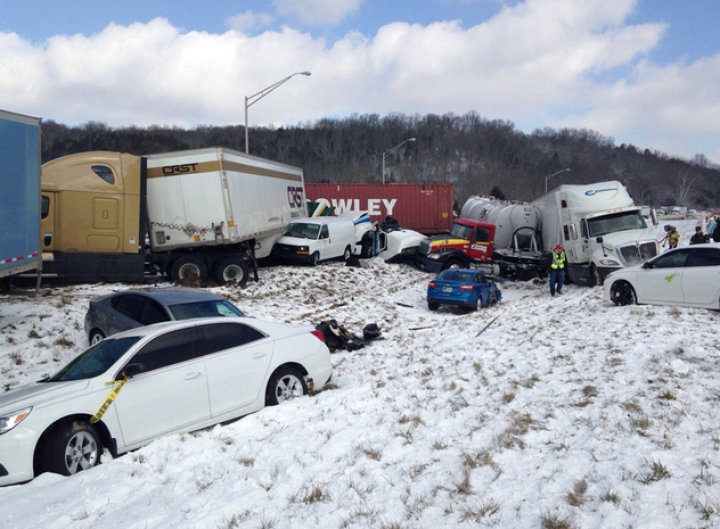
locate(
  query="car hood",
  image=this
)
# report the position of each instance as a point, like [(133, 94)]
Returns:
[(38, 393)]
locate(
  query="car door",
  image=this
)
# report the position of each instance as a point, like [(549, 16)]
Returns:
[(324, 242), (237, 359), (662, 281), (701, 279), (169, 394)]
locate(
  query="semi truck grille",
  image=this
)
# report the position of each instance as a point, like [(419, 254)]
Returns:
[(424, 247), (638, 253)]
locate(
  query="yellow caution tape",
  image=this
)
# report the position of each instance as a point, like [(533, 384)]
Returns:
[(110, 399)]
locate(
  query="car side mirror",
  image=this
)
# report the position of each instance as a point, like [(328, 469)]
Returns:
[(647, 265), (131, 370)]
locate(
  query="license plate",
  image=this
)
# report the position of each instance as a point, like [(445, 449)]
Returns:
[(447, 289)]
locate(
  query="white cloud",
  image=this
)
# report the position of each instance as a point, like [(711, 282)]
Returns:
[(250, 21), (317, 12), (539, 63)]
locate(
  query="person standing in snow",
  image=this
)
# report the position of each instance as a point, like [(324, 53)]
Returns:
[(672, 237), (699, 236), (557, 270)]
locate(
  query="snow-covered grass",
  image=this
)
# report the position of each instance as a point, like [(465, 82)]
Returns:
[(537, 412)]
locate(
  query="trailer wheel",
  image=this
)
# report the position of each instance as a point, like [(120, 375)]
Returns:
[(232, 270), (188, 267)]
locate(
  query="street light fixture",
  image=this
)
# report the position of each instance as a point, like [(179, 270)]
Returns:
[(390, 152), (251, 100), (548, 177)]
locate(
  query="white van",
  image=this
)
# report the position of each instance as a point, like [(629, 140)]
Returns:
[(314, 239)]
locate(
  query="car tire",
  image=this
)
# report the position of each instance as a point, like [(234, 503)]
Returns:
[(433, 306), (95, 336), (347, 254), (188, 267), (71, 448), (286, 383), (314, 259), (622, 293), (232, 270)]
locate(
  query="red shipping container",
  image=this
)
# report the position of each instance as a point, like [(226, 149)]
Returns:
[(427, 208)]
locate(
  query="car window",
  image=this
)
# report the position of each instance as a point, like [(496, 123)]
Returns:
[(168, 349), (153, 313), (671, 259), (480, 278), (95, 360), (220, 336), (324, 233), (704, 257), (204, 309), (131, 305)]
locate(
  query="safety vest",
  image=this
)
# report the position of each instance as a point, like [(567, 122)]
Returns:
[(558, 261)]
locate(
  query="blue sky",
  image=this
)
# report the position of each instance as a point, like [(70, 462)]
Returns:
[(645, 72)]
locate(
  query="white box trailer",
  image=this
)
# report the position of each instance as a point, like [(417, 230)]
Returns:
[(216, 197)]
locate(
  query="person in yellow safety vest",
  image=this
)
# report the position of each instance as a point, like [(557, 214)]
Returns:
[(673, 237), (557, 270)]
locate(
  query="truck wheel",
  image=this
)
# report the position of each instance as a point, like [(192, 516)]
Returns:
[(347, 253), (314, 259), (595, 277), (188, 267), (453, 262), (232, 270)]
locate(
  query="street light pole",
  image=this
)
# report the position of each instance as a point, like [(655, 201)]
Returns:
[(251, 100), (390, 151), (548, 177)]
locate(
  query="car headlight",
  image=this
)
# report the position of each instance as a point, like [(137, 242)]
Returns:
[(11, 420), (609, 262), (434, 256)]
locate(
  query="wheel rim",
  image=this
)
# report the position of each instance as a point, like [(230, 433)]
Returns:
[(288, 387), (81, 452), (95, 338), (189, 270), (623, 295), (233, 272)]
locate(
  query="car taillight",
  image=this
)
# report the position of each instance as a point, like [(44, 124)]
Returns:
[(432, 285), (465, 287), (318, 334)]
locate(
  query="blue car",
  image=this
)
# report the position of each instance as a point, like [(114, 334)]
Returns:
[(462, 287)]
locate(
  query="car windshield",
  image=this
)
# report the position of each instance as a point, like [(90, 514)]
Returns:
[(96, 360), (629, 220), (303, 230), (204, 309)]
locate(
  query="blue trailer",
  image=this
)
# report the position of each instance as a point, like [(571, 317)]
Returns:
[(19, 194)]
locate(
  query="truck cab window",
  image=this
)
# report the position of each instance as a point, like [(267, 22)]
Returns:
[(105, 173), (482, 235), (45, 207)]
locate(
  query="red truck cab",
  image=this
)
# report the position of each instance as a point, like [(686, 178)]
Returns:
[(468, 242)]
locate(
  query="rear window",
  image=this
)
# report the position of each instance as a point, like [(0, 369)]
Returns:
[(204, 309)]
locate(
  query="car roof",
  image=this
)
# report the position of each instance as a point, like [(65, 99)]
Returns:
[(172, 295), (276, 329)]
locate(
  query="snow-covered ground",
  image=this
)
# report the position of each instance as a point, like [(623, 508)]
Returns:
[(564, 412)]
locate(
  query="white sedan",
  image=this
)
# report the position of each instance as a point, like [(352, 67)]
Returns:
[(148, 382), (687, 277)]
